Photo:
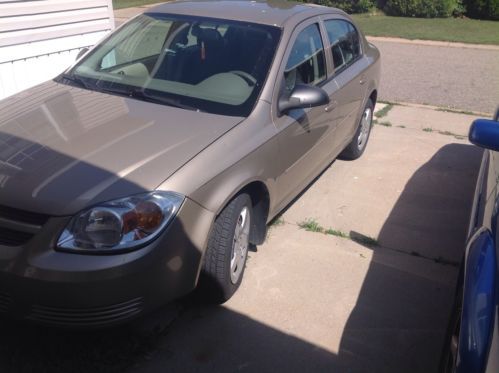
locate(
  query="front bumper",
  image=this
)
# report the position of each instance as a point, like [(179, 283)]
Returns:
[(73, 290)]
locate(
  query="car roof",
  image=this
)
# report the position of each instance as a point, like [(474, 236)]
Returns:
[(269, 12)]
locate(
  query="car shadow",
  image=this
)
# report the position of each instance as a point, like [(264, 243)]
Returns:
[(401, 306), (217, 339), (28, 347), (401, 313)]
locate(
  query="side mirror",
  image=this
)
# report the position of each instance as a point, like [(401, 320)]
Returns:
[(485, 134), (81, 53), (303, 96)]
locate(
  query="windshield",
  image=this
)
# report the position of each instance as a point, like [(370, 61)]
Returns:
[(210, 65)]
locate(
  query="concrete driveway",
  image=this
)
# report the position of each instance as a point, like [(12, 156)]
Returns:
[(377, 301)]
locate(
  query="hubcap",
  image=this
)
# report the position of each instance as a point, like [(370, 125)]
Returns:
[(365, 127), (240, 245)]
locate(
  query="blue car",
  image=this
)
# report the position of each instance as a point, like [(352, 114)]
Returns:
[(472, 343)]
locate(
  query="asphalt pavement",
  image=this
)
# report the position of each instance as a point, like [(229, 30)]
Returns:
[(459, 78)]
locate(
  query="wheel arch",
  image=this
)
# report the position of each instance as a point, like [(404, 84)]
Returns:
[(374, 96), (260, 198)]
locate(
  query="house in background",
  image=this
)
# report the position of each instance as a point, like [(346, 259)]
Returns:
[(41, 38)]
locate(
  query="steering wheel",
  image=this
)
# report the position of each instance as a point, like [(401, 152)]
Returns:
[(248, 78)]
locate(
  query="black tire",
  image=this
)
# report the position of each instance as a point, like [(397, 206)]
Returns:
[(355, 149), (447, 359), (216, 283)]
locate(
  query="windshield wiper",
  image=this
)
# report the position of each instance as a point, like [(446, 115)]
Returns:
[(141, 95), (76, 80)]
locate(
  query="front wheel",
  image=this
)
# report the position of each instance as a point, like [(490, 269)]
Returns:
[(359, 142), (227, 250)]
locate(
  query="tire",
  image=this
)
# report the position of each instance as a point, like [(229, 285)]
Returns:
[(451, 344), (227, 251), (358, 144)]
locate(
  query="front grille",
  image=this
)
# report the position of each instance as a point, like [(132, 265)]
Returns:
[(86, 316), (17, 227), (9, 237), (22, 216), (4, 302)]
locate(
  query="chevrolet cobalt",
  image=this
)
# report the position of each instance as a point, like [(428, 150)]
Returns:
[(151, 165)]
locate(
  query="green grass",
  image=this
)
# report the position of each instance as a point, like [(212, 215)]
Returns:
[(448, 110), (311, 225), (428, 129), (334, 232), (364, 240), (385, 124), (443, 29), (383, 112), (119, 4), (276, 222)]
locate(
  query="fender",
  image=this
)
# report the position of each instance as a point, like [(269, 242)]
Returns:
[(479, 303)]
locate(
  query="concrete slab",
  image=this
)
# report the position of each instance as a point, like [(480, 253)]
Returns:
[(317, 303), (419, 117), (411, 191)]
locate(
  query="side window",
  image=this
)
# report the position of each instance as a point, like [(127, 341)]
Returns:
[(306, 63), (345, 42)]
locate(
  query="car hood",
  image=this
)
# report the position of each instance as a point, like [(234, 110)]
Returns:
[(64, 148)]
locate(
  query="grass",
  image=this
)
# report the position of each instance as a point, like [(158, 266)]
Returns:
[(334, 232), (446, 133), (442, 29), (276, 222), (312, 225), (383, 112), (448, 110), (119, 4), (385, 124)]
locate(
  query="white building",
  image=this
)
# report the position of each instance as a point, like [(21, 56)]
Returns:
[(41, 38)]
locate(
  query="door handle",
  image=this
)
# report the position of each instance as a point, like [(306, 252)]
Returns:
[(331, 106)]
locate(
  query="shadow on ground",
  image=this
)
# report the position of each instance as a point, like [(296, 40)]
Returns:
[(429, 220), (28, 348), (431, 216), (396, 322)]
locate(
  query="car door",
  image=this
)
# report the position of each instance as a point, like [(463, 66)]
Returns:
[(344, 47), (303, 134)]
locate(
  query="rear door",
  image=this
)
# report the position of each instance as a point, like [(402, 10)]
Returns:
[(344, 46)]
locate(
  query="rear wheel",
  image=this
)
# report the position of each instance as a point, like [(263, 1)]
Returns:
[(359, 142), (227, 251)]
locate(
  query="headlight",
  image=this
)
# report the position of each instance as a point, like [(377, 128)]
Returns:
[(120, 225)]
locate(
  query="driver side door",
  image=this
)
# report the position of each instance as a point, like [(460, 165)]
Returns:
[(304, 135)]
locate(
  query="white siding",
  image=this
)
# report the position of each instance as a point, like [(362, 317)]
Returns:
[(41, 38)]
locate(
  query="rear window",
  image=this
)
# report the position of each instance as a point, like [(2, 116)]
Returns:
[(344, 43)]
